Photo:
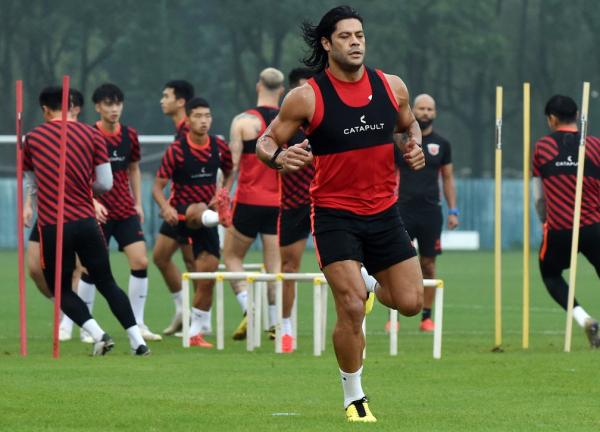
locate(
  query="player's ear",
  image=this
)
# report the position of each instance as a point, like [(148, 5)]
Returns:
[(326, 44)]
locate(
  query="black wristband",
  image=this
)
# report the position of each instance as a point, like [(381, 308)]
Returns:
[(272, 163)]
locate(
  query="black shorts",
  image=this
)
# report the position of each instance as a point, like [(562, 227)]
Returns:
[(250, 220), (203, 240), (424, 224), (171, 232), (378, 241), (34, 235), (293, 225), (555, 251), (125, 231)]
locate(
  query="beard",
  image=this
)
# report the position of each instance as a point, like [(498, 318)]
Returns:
[(424, 124)]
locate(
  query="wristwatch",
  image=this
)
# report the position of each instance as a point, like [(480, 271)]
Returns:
[(453, 212)]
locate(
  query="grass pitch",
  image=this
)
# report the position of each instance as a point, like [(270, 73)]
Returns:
[(469, 389)]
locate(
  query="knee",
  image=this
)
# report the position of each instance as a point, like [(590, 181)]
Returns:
[(351, 312), (290, 266), (410, 306), (160, 260), (139, 263)]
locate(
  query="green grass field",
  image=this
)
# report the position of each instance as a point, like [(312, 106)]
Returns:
[(469, 389)]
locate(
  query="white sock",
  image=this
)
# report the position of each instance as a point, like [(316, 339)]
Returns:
[(352, 386), (200, 321), (580, 315), (135, 337), (272, 315), (66, 324), (242, 298), (286, 327), (178, 300), (94, 330), (370, 281), (138, 291), (210, 218), (87, 293)]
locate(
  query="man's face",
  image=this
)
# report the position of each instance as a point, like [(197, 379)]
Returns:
[(169, 103), (424, 111), (347, 46), (200, 120), (110, 111)]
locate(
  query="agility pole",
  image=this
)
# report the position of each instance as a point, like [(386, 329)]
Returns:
[(526, 200), (20, 222), (498, 225)]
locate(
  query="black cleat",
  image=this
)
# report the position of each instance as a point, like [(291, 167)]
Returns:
[(142, 351), (103, 346), (592, 331)]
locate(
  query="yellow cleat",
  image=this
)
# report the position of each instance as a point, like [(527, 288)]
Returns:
[(359, 412), (240, 331), (369, 303)]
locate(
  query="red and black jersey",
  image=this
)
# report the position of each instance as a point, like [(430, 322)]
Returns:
[(123, 148), (351, 136), (295, 185), (257, 184), (182, 129), (85, 149), (192, 169), (555, 161)]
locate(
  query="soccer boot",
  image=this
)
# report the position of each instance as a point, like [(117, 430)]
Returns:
[(224, 207), (370, 284), (359, 412), (64, 335), (592, 331), (369, 303), (388, 326), (85, 337), (142, 351), (148, 335), (271, 332), (287, 343), (427, 325), (175, 325), (199, 341), (103, 346), (240, 331)]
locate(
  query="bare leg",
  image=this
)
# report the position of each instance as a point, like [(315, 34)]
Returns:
[(163, 252), (203, 297), (272, 261), (235, 247), (35, 268), (291, 257)]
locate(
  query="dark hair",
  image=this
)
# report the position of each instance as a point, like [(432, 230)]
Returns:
[(194, 103), (51, 97), (181, 88), (108, 92), (562, 107), (316, 57), (297, 74), (76, 98)]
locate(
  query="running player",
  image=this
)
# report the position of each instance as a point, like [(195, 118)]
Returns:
[(351, 113), (87, 159), (555, 172), (419, 198), (191, 164), (256, 202), (120, 209), (175, 95)]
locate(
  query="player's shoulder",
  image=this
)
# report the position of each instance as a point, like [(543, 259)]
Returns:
[(220, 140), (394, 81), (546, 142), (131, 131)]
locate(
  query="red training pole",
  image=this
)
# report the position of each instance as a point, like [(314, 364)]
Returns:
[(60, 214), (20, 223)]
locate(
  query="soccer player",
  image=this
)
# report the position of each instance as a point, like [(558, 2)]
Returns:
[(293, 225), (256, 202), (555, 172), (352, 113), (175, 95), (121, 212), (419, 198), (191, 164), (87, 170)]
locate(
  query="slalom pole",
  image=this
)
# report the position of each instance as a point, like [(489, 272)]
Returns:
[(526, 200), (577, 214), (498, 226), (60, 215), (20, 223)]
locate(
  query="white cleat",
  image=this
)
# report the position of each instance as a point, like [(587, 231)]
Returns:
[(85, 337), (148, 335), (64, 335), (175, 325)]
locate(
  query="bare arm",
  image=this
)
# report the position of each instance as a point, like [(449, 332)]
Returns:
[(168, 212), (449, 193), (135, 180), (30, 195), (539, 199)]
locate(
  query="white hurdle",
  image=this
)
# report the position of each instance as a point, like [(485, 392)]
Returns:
[(438, 284), (258, 280)]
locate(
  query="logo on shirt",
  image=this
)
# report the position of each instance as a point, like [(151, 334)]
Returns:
[(364, 127), (115, 157), (202, 174), (568, 163), (433, 149)]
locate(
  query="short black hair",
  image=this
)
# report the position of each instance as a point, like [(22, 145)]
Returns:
[(181, 88), (194, 103), (108, 92), (51, 97), (76, 98), (297, 74), (562, 107), (316, 57)]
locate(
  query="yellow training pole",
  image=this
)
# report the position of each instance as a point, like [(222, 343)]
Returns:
[(498, 223), (526, 178), (577, 214)]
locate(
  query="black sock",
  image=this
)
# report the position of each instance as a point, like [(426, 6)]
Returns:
[(426, 314)]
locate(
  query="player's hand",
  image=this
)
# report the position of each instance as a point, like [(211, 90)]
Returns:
[(169, 214), (140, 212), (101, 212), (27, 215), (452, 221), (413, 155), (295, 157)]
